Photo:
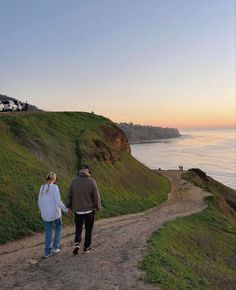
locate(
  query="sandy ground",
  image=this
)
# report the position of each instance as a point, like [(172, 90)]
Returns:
[(119, 243)]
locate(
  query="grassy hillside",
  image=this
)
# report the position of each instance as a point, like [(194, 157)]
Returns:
[(197, 252), (33, 144)]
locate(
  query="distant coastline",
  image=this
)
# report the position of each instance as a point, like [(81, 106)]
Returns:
[(147, 134)]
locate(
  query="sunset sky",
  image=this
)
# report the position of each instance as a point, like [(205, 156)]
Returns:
[(159, 62)]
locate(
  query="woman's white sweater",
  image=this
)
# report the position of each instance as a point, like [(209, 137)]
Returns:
[(49, 202)]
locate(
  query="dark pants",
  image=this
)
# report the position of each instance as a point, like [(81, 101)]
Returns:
[(88, 220)]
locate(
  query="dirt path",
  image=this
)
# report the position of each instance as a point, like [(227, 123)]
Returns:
[(119, 243)]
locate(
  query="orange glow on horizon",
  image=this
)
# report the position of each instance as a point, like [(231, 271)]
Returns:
[(212, 115), (204, 124)]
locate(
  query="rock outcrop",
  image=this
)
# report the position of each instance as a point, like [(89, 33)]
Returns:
[(106, 144)]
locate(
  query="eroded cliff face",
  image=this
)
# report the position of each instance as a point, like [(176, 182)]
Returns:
[(116, 137), (106, 143)]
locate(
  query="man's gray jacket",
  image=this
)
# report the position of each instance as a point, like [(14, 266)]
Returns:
[(83, 194)]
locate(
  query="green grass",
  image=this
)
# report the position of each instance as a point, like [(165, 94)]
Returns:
[(195, 252), (128, 186), (33, 144)]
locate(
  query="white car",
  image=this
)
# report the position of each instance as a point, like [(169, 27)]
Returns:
[(1, 107), (9, 106), (18, 105)]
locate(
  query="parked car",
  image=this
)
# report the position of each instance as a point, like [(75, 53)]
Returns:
[(18, 104), (1, 107), (9, 106)]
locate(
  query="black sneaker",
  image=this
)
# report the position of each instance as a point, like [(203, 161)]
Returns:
[(88, 250), (76, 249)]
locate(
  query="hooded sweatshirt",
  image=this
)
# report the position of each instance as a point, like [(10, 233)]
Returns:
[(83, 194)]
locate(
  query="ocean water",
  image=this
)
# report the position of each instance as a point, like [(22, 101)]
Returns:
[(214, 151)]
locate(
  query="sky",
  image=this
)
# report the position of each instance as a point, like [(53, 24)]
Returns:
[(168, 63)]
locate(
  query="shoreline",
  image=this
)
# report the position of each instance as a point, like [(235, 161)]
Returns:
[(153, 141), (198, 148)]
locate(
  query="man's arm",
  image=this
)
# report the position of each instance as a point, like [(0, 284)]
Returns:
[(69, 197), (96, 196)]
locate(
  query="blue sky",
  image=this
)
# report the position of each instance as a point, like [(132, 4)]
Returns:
[(162, 62)]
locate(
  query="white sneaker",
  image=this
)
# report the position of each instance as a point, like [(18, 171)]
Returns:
[(47, 256), (88, 250), (56, 251)]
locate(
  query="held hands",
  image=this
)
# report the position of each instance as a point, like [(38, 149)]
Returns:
[(98, 209)]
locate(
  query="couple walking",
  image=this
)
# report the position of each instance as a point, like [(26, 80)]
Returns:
[(83, 198)]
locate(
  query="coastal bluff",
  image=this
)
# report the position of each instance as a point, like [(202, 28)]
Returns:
[(35, 143), (140, 133)]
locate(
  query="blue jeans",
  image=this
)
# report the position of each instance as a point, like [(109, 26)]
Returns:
[(48, 235)]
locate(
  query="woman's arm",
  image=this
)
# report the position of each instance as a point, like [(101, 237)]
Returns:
[(59, 203)]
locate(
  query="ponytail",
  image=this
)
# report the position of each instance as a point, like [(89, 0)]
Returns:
[(48, 188), (50, 176)]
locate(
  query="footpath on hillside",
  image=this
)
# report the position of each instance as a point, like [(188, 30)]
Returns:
[(119, 243)]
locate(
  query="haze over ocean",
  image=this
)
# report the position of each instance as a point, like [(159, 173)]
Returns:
[(214, 151)]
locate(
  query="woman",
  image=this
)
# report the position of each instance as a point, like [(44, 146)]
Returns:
[(50, 205)]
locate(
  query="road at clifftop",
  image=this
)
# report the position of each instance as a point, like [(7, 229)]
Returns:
[(119, 243)]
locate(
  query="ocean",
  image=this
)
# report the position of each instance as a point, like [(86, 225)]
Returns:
[(213, 151)]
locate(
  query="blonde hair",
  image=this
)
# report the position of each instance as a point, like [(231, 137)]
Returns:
[(50, 176)]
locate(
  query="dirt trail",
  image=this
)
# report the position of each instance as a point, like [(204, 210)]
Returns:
[(119, 243)]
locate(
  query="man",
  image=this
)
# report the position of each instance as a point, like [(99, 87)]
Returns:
[(26, 106), (83, 198)]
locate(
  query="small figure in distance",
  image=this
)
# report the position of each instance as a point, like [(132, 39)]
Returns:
[(84, 199), (50, 205), (181, 168), (26, 106)]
